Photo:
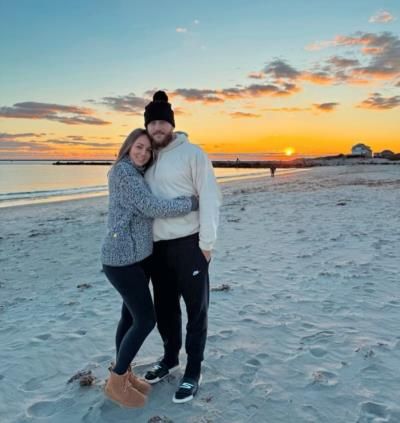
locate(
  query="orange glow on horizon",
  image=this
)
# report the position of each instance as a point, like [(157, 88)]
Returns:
[(274, 132)]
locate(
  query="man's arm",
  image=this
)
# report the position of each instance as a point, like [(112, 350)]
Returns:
[(210, 201)]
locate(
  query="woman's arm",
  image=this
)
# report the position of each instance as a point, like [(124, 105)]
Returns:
[(136, 195)]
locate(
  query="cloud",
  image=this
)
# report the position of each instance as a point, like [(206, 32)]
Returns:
[(78, 120), (276, 71), (5, 135), (76, 137), (83, 144), (325, 107), (320, 45), (181, 30), (287, 109), (377, 102), (336, 70), (178, 111), (321, 78), (342, 62), (208, 96), (238, 115), (259, 90), (256, 75), (279, 69), (382, 16), (196, 22), (12, 146), (197, 95), (70, 115), (12, 143), (129, 103), (380, 54), (383, 51)]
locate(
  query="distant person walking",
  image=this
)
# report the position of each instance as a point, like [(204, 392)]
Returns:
[(272, 168), (125, 252)]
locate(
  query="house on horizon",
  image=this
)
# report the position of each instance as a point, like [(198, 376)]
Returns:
[(385, 154), (361, 150)]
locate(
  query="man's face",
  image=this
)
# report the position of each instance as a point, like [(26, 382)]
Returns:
[(160, 132)]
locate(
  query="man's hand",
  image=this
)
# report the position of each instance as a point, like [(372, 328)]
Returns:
[(207, 254)]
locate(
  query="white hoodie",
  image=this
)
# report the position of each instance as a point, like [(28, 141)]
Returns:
[(182, 168)]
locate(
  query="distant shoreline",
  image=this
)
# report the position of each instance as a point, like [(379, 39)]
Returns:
[(267, 164), (340, 160)]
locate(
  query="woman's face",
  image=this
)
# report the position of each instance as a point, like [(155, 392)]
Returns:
[(140, 152)]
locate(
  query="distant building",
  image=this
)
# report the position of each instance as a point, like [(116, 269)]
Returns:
[(385, 154), (361, 150)]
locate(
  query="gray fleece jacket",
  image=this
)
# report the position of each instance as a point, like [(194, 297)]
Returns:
[(132, 208)]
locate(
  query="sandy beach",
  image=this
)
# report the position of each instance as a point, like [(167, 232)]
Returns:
[(304, 314)]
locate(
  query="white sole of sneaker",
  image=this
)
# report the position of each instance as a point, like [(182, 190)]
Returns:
[(187, 399), (159, 379)]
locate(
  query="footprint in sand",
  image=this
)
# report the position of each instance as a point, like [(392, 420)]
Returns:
[(250, 321), (324, 378), (261, 390), (308, 325), (250, 309), (371, 410), (251, 368), (32, 385), (49, 408), (224, 334), (368, 287), (64, 316), (253, 362), (44, 336), (319, 337), (102, 358), (318, 352), (262, 356), (328, 306)]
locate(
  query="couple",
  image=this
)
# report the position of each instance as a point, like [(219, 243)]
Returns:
[(174, 200)]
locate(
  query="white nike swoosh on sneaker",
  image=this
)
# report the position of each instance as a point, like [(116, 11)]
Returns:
[(190, 397)]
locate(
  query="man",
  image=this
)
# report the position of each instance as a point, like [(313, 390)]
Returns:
[(182, 245)]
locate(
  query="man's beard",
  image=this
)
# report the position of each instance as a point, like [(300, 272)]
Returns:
[(164, 142)]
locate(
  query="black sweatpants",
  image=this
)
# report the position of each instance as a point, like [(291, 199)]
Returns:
[(137, 314), (179, 268)]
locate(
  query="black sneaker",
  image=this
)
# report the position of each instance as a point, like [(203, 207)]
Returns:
[(159, 372), (187, 390)]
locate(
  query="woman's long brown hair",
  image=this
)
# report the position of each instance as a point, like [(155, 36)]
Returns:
[(127, 144)]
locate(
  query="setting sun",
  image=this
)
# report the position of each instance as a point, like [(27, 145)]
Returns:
[(289, 151)]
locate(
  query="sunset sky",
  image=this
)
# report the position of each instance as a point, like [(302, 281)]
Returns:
[(242, 76)]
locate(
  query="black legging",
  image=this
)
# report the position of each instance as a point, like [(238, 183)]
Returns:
[(137, 314)]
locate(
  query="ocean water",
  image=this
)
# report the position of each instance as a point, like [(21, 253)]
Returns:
[(24, 182)]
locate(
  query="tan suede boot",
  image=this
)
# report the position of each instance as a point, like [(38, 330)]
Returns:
[(119, 389), (139, 384)]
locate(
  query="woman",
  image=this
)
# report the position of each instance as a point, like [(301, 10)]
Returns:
[(127, 245)]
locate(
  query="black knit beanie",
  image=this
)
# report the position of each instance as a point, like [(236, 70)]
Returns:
[(159, 109)]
